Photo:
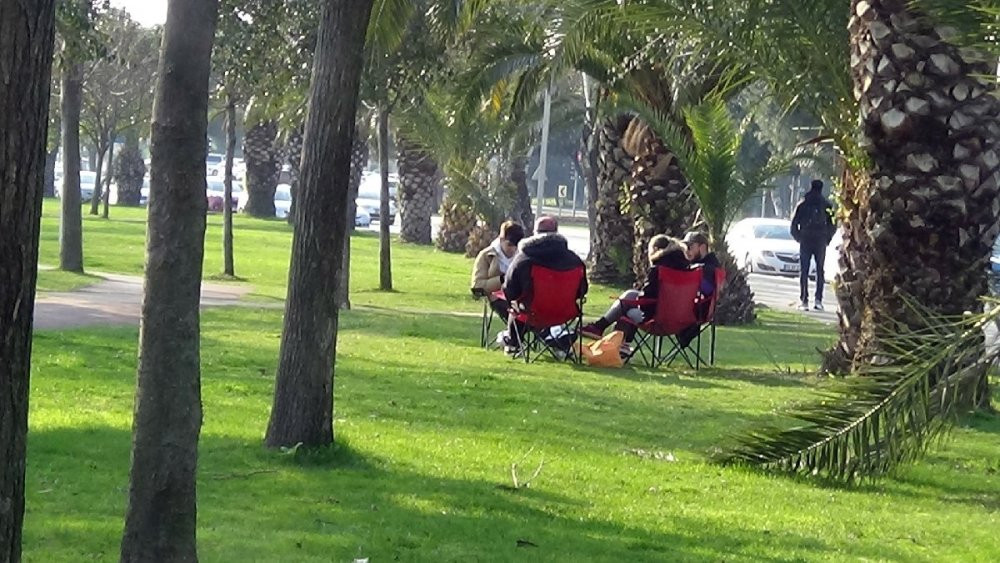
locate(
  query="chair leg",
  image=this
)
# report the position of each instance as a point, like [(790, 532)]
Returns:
[(711, 353), (697, 353), (484, 328)]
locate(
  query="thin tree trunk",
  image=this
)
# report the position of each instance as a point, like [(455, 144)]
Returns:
[(50, 172), (71, 215), (302, 412), (107, 184), (27, 32), (95, 198), (229, 267), (384, 253), (161, 519), (359, 159)]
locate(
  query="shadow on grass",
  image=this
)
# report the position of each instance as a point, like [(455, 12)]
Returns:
[(341, 503)]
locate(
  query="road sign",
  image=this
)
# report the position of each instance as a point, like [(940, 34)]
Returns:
[(563, 191)]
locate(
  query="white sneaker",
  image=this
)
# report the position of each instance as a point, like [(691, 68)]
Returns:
[(501, 338), (804, 306), (818, 306)]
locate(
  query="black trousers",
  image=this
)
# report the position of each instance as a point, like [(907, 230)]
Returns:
[(809, 251)]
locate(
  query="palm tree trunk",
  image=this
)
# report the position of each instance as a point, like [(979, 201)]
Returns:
[(302, 412), (457, 221), (384, 251), (161, 518), (418, 178), (522, 212), (612, 236), (107, 184), (26, 51), (660, 198), (263, 166), (71, 219), (927, 208), (228, 261)]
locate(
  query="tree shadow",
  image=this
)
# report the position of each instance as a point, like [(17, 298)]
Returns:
[(344, 503)]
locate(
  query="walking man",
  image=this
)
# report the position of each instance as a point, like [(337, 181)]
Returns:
[(812, 228)]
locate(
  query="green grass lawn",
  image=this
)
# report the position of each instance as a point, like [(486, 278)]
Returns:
[(428, 426), (56, 280)]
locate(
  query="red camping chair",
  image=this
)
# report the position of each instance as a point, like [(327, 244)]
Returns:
[(555, 302), (676, 312)]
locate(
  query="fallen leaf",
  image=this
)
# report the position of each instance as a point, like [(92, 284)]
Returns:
[(526, 543)]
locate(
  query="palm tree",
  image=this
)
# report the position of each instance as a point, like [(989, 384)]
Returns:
[(418, 178), (918, 197)]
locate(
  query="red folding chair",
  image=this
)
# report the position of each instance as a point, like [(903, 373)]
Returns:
[(555, 302), (675, 313)]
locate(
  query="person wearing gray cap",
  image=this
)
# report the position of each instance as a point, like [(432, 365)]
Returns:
[(548, 249)]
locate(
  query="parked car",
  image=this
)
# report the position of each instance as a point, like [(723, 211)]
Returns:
[(87, 180), (282, 201), (362, 218), (144, 191), (831, 266), (369, 195), (216, 194), (764, 245)]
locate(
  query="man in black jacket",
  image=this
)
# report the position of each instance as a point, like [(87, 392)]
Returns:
[(548, 249), (812, 227)]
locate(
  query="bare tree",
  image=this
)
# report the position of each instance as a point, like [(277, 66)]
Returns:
[(116, 92), (302, 412), (27, 29), (161, 520)]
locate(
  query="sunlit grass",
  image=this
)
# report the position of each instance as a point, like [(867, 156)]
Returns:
[(428, 427)]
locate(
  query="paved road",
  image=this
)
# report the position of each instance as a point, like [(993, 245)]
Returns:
[(117, 300)]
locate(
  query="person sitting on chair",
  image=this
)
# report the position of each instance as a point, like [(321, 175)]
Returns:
[(700, 254), (663, 251), (548, 249), (492, 265)]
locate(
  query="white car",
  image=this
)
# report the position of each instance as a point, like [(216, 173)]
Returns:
[(282, 201), (765, 246), (215, 191), (87, 180), (369, 195)]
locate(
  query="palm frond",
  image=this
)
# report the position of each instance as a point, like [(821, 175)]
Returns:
[(889, 412)]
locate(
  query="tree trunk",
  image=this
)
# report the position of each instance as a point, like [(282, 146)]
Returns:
[(660, 198), (130, 172), (522, 199), (922, 215), (588, 163), (293, 147), (26, 51), (71, 215), (263, 165), (161, 518), (95, 199), (611, 237), (302, 412), (359, 160), (418, 179), (384, 251), (50, 172), (457, 221), (228, 267), (107, 185)]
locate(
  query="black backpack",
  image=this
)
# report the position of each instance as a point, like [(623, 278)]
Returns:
[(814, 219)]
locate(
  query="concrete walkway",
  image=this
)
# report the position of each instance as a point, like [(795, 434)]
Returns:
[(115, 301)]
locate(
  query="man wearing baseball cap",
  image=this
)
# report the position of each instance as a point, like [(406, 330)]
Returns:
[(699, 253), (548, 249)]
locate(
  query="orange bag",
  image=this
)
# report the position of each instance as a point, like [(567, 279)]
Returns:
[(605, 352)]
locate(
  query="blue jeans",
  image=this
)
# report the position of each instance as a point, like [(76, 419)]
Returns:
[(809, 251)]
